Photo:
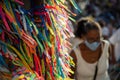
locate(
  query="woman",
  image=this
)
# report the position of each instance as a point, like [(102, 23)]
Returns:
[(91, 53), (80, 31)]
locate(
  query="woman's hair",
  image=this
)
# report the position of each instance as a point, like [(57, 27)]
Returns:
[(84, 25)]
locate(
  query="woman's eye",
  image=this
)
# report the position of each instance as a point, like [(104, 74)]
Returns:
[(90, 41)]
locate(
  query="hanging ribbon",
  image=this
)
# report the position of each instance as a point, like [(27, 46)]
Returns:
[(36, 44)]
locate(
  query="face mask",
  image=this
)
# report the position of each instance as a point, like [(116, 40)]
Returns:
[(93, 46)]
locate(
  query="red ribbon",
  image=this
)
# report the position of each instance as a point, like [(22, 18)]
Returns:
[(4, 19)]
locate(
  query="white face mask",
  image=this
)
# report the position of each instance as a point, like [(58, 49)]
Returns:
[(93, 46)]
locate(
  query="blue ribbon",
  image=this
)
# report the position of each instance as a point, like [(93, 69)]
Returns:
[(2, 61)]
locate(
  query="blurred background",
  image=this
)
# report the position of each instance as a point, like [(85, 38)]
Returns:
[(106, 12)]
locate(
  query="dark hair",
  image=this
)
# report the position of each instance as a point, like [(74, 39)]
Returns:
[(84, 26), (80, 28), (101, 23)]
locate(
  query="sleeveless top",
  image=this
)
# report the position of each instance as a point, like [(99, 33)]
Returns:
[(85, 70)]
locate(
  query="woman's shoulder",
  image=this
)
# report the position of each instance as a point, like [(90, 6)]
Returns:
[(106, 42)]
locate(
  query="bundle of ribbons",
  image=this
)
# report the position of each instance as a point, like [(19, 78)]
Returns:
[(33, 43)]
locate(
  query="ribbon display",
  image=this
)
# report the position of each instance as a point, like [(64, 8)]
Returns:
[(33, 43)]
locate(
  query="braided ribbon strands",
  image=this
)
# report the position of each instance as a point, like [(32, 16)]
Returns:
[(33, 43)]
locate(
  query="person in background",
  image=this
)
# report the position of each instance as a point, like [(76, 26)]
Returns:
[(91, 54), (115, 41), (105, 29)]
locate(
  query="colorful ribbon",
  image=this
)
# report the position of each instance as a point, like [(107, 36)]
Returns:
[(34, 42)]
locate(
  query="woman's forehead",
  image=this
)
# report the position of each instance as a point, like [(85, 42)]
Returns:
[(93, 33)]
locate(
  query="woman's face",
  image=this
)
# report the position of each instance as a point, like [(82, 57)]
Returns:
[(93, 36)]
